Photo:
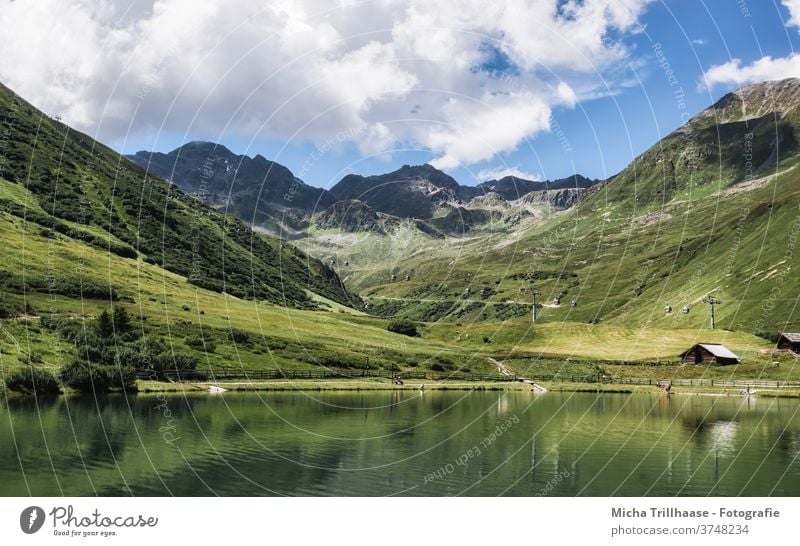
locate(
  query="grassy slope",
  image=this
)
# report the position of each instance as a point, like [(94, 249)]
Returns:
[(173, 307), (587, 253), (679, 223), (65, 182), (66, 201)]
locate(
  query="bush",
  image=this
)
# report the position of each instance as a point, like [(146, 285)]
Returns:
[(240, 336), (200, 344), (88, 377), (30, 358), (404, 327), (7, 311), (441, 364), (768, 335), (177, 362), (32, 380)]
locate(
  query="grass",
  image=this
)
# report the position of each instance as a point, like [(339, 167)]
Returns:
[(676, 391), (622, 268), (377, 384), (578, 341), (621, 273), (178, 309), (333, 385)]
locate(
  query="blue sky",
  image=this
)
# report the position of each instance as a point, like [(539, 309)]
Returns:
[(372, 86)]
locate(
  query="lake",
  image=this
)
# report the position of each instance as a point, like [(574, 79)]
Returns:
[(400, 443)]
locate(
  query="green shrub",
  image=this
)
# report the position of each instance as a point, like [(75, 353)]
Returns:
[(30, 358), (404, 327), (240, 336), (200, 344), (32, 380), (6, 311), (88, 377), (441, 364), (768, 335)]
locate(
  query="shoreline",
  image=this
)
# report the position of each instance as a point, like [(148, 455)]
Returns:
[(150, 387), (147, 387)]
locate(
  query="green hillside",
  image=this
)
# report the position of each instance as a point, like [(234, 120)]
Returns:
[(713, 208), (83, 230), (71, 187)]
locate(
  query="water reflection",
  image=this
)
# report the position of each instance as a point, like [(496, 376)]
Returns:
[(442, 443)]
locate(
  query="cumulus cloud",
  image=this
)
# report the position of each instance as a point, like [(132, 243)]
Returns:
[(465, 79), (794, 11), (497, 173), (763, 69)]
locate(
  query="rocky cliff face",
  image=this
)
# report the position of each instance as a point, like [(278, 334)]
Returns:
[(560, 199), (267, 195)]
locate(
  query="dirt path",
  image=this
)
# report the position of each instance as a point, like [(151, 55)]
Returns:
[(501, 367), (505, 371)]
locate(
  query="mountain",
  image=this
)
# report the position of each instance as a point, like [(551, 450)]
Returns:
[(417, 191), (744, 135), (563, 198), (350, 216), (267, 195), (511, 188), (424, 192), (258, 191), (711, 209), (61, 185)]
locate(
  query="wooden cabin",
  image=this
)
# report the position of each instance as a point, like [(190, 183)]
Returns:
[(789, 342), (702, 353)]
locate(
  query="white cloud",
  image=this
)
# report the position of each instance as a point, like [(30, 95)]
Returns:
[(699, 42), (497, 173), (383, 72), (794, 11), (478, 130), (765, 68)]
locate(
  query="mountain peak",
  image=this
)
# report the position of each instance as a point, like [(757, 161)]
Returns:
[(755, 100)]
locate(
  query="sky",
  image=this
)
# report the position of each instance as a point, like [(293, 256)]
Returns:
[(540, 89)]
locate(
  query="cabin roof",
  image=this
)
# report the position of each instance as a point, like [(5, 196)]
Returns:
[(794, 337), (718, 350)]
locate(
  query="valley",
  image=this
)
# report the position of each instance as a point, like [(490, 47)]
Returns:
[(235, 263)]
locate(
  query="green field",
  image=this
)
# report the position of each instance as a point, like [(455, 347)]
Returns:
[(83, 230)]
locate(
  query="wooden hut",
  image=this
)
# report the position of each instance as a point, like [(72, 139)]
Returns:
[(789, 341), (709, 353)]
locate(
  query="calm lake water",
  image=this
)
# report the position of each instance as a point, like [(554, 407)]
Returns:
[(400, 443)]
